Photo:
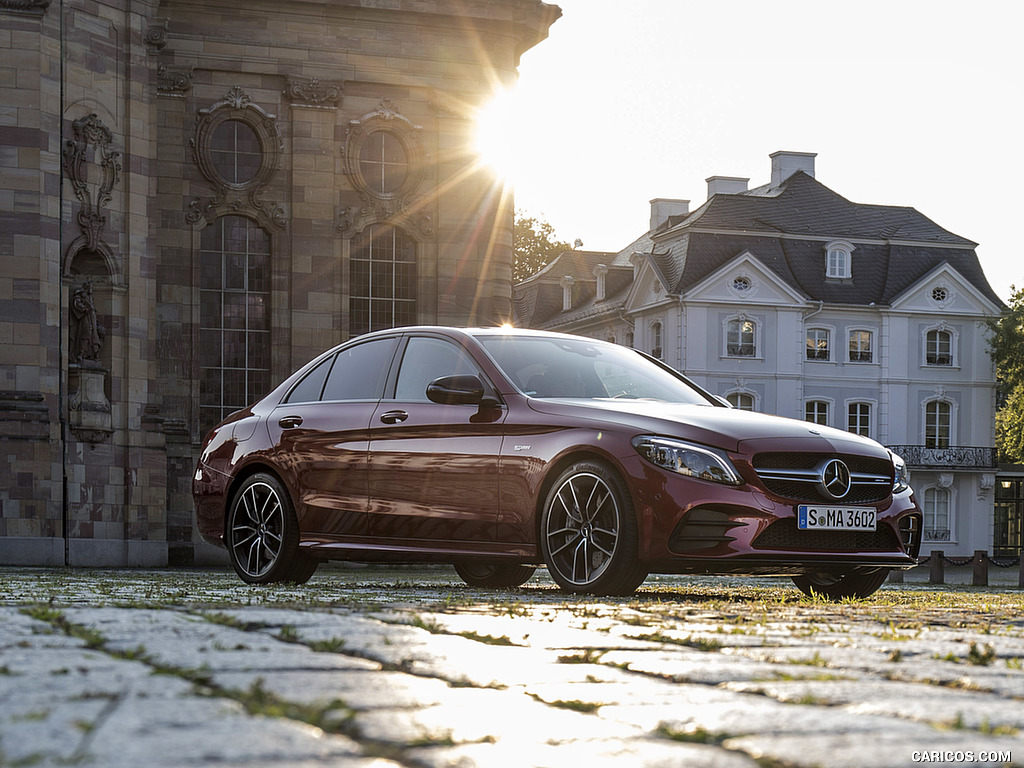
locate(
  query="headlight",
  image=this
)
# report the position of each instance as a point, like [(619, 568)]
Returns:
[(902, 481), (687, 459)]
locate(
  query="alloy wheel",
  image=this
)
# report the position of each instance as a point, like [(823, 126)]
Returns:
[(257, 529), (582, 528)]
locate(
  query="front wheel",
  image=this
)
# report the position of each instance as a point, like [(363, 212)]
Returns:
[(500, 575), (262, 534), (840, 586), (588, 532)]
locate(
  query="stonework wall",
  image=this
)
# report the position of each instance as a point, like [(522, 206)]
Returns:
[(107, 124)]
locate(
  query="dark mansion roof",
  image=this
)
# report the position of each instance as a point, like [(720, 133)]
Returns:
[(786, 228)]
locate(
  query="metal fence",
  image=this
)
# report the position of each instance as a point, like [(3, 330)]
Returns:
[(980, 562)]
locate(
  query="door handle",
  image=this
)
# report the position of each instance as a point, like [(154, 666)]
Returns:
[(394, 417), (289, 422)]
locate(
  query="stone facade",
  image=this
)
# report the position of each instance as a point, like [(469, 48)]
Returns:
[(196, 197)]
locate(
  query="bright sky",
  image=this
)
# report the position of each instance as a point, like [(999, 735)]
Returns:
[(907, 102)]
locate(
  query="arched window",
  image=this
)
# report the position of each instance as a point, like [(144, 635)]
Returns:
[(382, 292), (744, 401), (741, 338), (938, 347), (816, 411), (838, 259), (936, 510), (234, 317), (656, 339), (938, 424)]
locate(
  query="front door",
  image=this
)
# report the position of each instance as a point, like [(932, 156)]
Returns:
[(433, 469)]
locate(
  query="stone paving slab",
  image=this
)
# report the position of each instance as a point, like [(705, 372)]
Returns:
[(401, 668)]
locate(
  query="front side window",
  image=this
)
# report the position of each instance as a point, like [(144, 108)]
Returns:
[(939, 348), (859, 419), (816, 412), (860, 347), (382, 291), (741, 338), (937, 424), (818, 344), (234, 317), (426, 359), (936, 514)]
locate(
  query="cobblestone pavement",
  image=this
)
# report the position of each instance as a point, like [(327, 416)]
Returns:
[(374, 667)]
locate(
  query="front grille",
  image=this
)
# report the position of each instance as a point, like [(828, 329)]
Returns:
[(783, 534), (797, 476)]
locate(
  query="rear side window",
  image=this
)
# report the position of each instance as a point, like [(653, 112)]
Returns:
[(359, 372), (308, 390)]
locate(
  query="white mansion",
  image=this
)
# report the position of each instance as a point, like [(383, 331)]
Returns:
[(790, 299)]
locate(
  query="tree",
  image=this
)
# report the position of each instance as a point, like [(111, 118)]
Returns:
[(534, 246), (1007, 350)]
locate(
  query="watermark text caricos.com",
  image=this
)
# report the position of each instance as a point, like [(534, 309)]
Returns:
[(938, 756)]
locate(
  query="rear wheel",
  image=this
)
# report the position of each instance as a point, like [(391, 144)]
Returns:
[(839, 586), (494, 574), (262, 534), (588, 532)]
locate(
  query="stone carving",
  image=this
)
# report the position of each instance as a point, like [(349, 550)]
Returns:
[(155, 36), (312, 92), (173, 81), (34, 7), (89, 132), (244, 197), (85, 333)]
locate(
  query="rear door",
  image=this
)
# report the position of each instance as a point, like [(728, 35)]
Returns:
[(321, 430)]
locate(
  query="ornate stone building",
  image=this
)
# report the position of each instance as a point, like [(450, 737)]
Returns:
[(195, 197)]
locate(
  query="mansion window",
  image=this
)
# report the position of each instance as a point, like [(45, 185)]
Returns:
[(818, 344), (234, 317), (858, 419), (938, 420), (936, 514), (382, 291), (656, 340), (837, 260), (235, 152), (816, 412), (741, 338), (860, 347), (741, 400), (939, 348)]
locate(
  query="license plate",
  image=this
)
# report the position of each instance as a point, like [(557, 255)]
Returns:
[(814, 518)]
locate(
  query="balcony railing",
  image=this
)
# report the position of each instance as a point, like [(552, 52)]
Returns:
[(954, 457)]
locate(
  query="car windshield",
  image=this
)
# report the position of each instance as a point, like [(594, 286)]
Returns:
[(560, 367)]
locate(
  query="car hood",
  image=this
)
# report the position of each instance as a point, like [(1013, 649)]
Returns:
[(727, 428)]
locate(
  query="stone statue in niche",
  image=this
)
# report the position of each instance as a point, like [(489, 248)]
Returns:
[(86, 334)]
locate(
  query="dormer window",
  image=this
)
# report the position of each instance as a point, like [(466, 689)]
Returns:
[(838, 260), (601, 273), (566, 283)]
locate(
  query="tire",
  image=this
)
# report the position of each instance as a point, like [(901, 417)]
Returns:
[(262, 534), (841, 586), (588, 532), (494, 574)]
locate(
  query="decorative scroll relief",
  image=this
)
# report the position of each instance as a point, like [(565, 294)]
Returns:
[(237, 115), (173, 81), (31, 7), (385, 159), (312, 92), (91, 133)]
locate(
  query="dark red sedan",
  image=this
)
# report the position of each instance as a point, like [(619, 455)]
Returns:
[(501, 450)]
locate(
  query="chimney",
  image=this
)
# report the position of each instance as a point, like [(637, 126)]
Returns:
[(726, 185), (664, 207), (785, 164)]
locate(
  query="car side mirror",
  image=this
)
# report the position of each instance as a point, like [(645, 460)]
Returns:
[(464, 389)]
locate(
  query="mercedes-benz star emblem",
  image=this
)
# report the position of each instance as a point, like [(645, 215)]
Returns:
[(835, 479)]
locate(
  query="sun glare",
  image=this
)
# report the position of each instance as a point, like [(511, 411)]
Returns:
[(498, 135)]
